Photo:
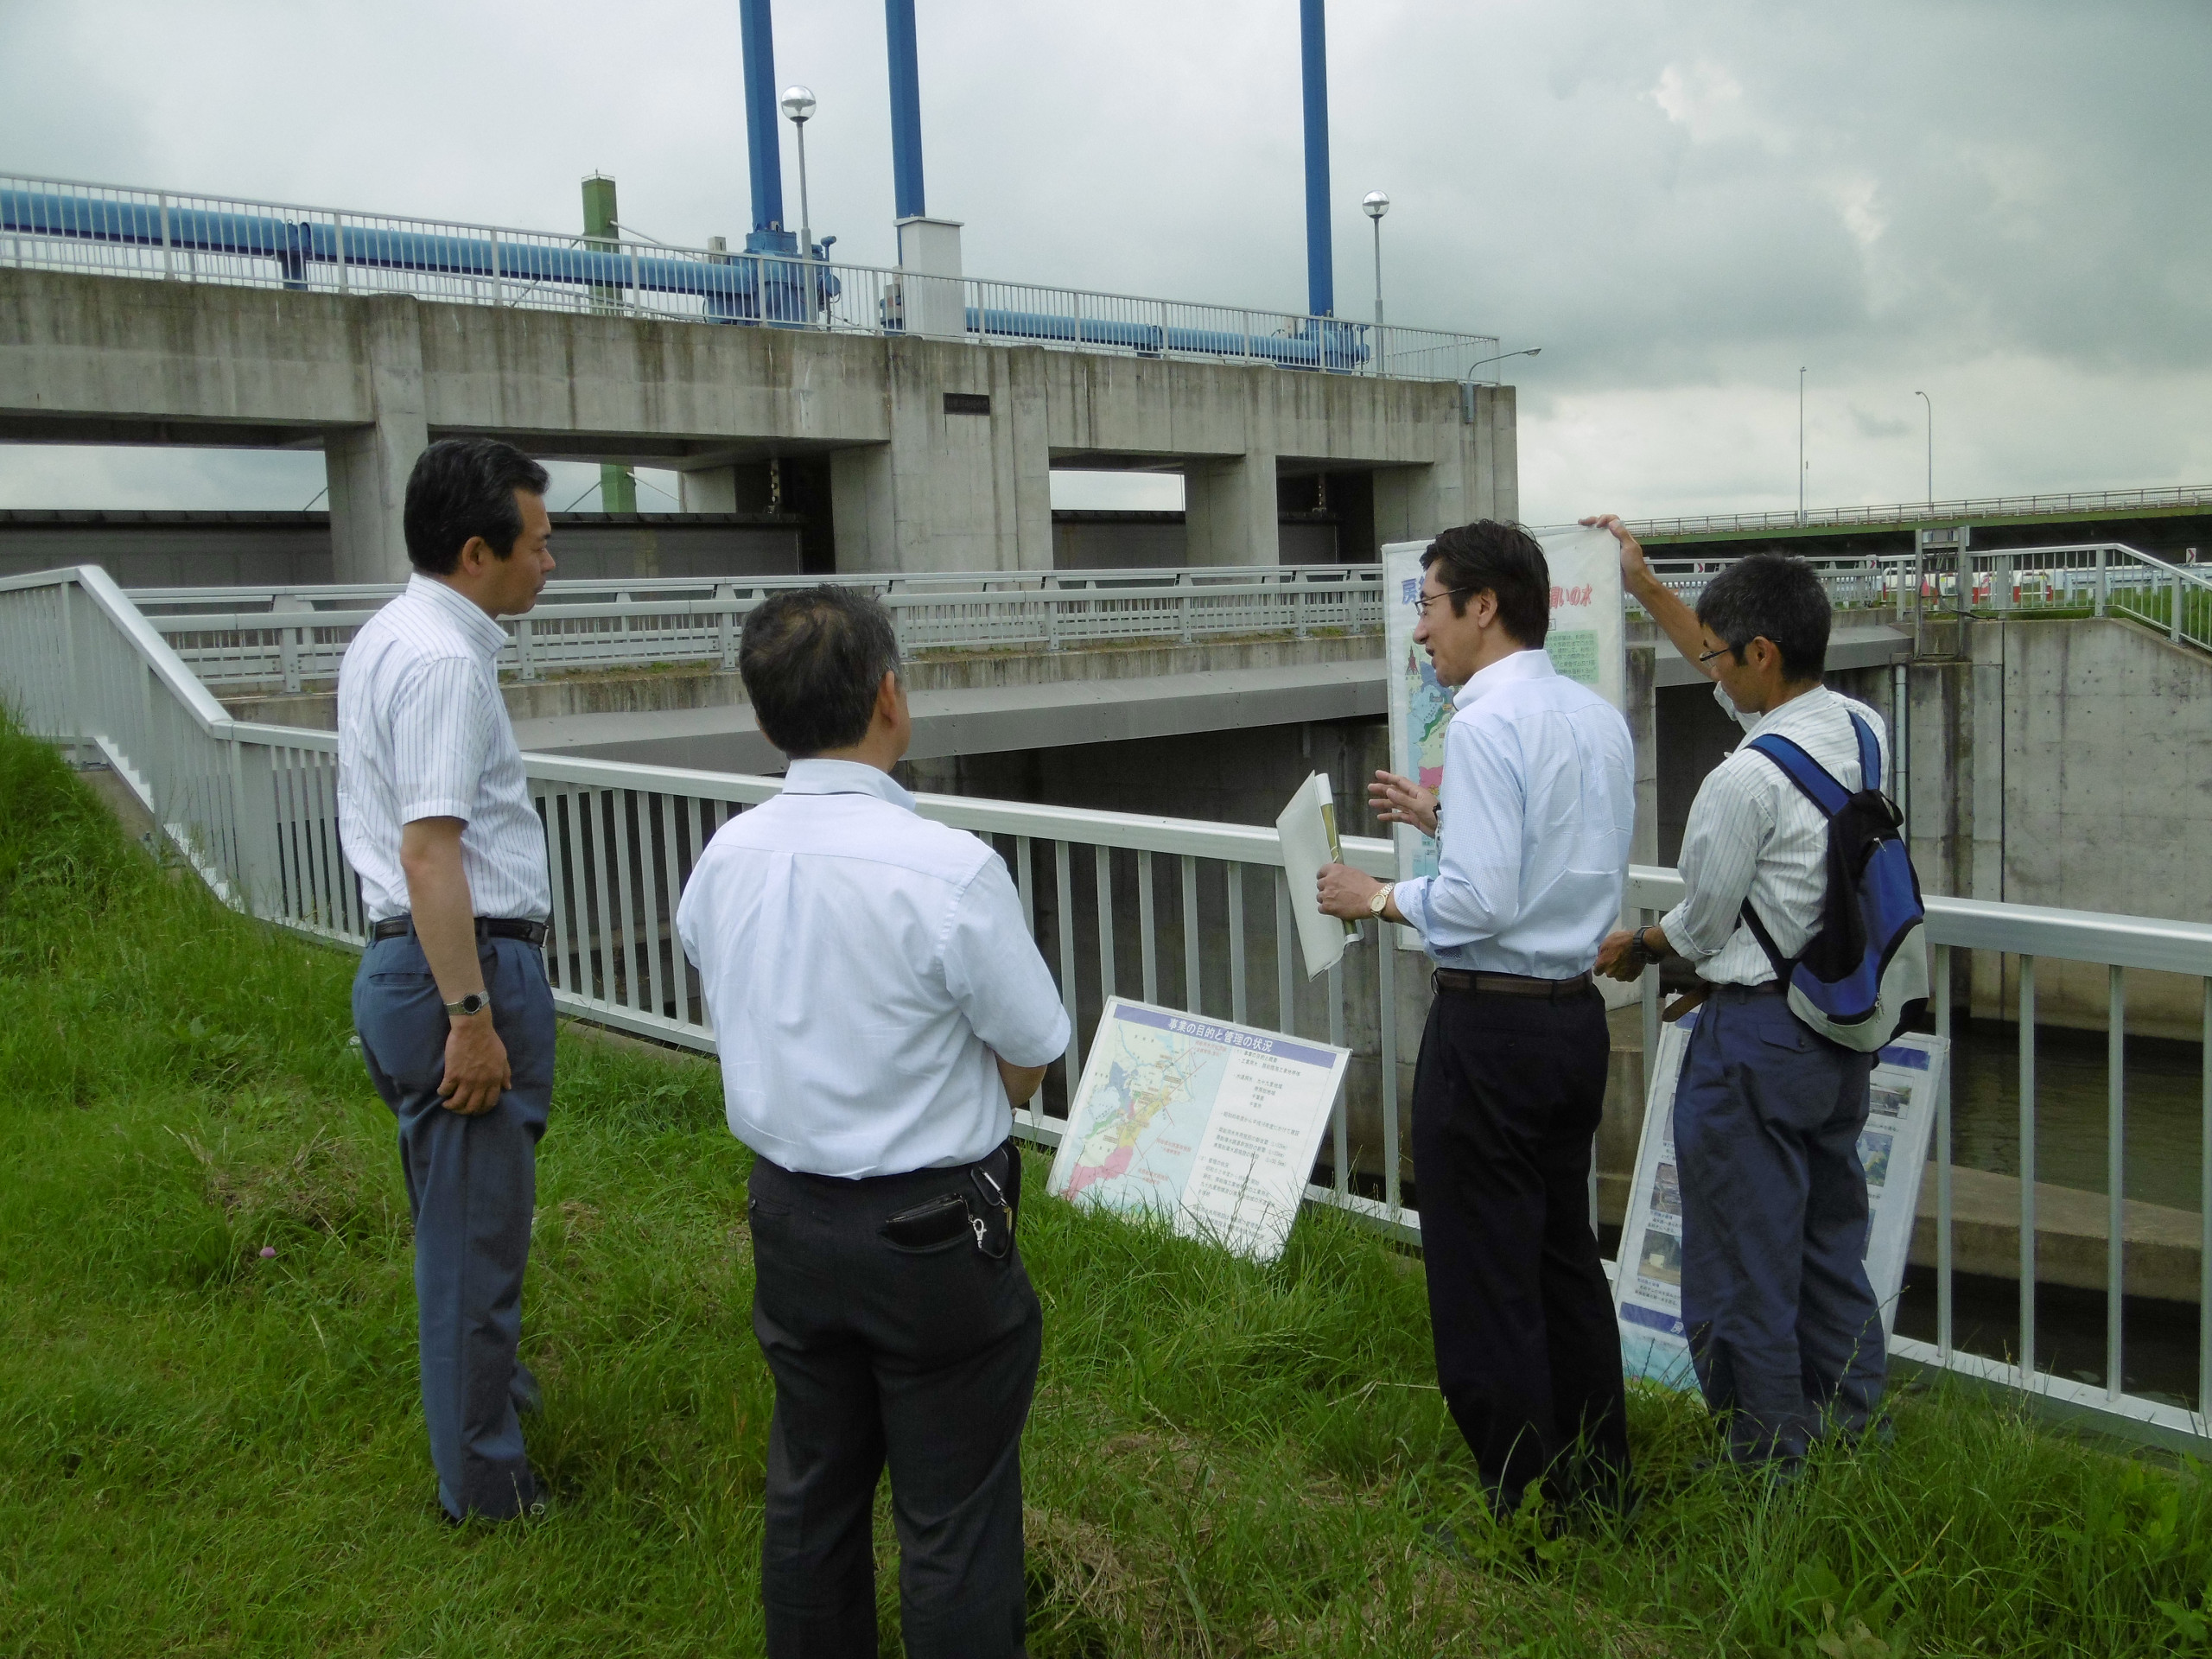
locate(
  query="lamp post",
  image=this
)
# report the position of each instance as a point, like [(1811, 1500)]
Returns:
[(798, 108), (1467, 385), (1930, 402), (1801, 446), (1375, 204)]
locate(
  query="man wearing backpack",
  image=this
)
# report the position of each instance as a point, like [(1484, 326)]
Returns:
[(1784, 1327)]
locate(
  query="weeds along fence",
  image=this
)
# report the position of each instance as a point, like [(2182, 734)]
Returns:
[(1191, 914)]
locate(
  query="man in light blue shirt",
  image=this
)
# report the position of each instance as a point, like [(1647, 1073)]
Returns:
[(1533, 828)]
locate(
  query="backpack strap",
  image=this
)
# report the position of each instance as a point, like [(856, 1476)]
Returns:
[(1869, 757), (1782, 965), (1817, 783)]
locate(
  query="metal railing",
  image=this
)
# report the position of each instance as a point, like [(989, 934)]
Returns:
[(1939, 513), (1852, 584), (296, 637), (1193, 914), (123, 230)]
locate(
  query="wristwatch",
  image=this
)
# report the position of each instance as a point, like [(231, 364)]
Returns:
[(475, 1003), (1379, 901)]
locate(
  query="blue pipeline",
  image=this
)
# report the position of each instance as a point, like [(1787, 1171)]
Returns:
[(906, 110), (734, 289), (1321, 262), (738, 289), (764, 153)]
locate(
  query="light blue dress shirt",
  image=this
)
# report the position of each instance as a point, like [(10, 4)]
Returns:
[(1537, 807)]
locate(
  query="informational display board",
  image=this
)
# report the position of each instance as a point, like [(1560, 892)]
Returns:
[(1211, 1125), (1893, 1147), (1587, 642)]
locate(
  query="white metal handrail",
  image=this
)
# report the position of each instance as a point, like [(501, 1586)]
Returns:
[(1916, 512), (294, 641), (180, 236), (253, 807)]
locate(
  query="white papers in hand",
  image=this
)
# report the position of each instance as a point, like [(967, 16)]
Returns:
[(1308, 829)]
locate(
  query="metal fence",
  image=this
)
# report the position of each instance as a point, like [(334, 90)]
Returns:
[(123, 230), (294, 636), (1939, 513), (253, 808)]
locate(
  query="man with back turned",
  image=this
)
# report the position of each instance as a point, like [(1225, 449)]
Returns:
[(1533, 828), (879, 1005), (451, 1002)]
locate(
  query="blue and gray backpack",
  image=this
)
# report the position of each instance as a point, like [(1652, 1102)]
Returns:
[(1864, 974)]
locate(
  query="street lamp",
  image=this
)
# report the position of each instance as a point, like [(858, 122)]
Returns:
[(1375, 205), (1930, 402), (1801, 446), (799, 109), (1528, 351), (1467, 385)]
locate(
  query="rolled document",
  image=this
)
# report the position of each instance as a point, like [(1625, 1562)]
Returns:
[(1308, 829)]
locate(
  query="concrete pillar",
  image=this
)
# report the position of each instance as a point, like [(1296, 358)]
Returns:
[(1642, 712), (1230, 510), (860, 499), (1407, 504), (1022, 465), (708, 489), (367, 466)]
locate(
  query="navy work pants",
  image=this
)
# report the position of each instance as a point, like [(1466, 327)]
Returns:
[(1782, 1324), (472, 1184), (922, 1359), (1506, 1097)]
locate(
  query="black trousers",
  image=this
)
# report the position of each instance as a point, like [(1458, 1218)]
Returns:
[(1507, 1097), (925, 1360)]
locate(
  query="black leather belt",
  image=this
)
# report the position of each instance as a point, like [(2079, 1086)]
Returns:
[(496, 927), (1467, 984)]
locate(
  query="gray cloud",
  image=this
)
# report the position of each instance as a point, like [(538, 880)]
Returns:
[(1681, 202)]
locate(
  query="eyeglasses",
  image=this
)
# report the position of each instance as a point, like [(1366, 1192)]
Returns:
[(1736, 651), (1421, 605)]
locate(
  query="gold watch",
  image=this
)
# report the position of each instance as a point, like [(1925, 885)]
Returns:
[(1379, 901)]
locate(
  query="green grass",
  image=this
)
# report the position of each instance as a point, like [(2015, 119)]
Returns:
[(204, 1452)]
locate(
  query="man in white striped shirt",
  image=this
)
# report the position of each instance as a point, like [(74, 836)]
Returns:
[(1782, 1324), (451, 1002)]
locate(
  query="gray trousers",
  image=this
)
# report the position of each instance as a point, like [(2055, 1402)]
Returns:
[(925, 1360), (1782, 1324), (472, 1184)]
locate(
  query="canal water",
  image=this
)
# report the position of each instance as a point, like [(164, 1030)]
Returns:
[(2165, 1114)]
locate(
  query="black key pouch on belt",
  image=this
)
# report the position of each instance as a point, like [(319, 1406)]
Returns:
[(987, 1217)]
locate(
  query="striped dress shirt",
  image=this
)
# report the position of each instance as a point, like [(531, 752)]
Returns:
[(423, 733), (1752, 831)]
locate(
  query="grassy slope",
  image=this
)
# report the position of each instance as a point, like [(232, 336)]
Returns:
[(202, 1451)]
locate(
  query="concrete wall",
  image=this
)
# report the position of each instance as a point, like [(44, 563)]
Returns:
[(912, 484), (280, 550), (2091, 790)]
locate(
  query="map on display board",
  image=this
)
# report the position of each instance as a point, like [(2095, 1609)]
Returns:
[(1587, 642), (1211, 1125), (1893, 1147)]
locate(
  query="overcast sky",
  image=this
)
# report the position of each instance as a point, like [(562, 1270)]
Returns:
[(1999, 205)]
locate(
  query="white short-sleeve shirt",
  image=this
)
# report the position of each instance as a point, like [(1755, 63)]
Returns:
[(862, 965), (1752, 833), (423, 732)]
